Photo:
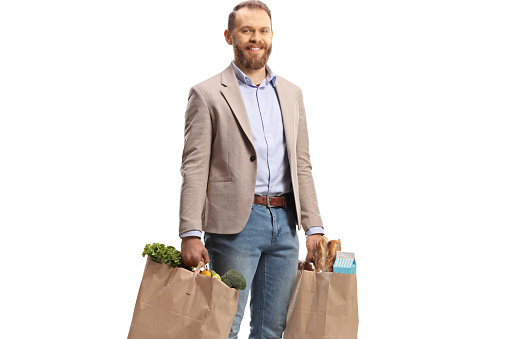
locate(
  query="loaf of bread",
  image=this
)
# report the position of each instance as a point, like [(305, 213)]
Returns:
[(320, 255), (332, 247)]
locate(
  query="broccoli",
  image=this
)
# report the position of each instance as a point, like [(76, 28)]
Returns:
[(234, 279)]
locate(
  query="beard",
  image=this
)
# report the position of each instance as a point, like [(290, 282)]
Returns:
[(251, 60)]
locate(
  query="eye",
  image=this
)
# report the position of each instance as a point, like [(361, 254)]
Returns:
[(246, 31)]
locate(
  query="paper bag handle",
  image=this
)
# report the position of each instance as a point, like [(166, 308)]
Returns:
[(190, 287), (171, 275), (313, 282)]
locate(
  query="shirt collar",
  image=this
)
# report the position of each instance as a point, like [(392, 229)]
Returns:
[(270, 78)]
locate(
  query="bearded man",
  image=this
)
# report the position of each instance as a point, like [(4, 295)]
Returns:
[(246, 175)]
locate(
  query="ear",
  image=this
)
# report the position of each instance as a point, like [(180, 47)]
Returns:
[(228, 37)]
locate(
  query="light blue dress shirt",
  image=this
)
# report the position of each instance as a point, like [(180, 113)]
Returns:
[(262, 104), (264, 113)]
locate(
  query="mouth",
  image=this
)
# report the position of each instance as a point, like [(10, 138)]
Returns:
[(254, 49)]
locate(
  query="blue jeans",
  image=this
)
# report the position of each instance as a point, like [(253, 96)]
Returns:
[(266, 253)]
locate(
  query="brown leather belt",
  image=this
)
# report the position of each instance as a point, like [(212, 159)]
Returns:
[(279, 201)]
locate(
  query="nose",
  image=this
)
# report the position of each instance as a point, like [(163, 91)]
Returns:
[(255, 37)]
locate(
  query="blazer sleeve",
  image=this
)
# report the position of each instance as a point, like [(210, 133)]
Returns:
[(310, 214), (195, 162)]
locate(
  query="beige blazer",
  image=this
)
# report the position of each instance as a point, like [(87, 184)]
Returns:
[(219, 158)]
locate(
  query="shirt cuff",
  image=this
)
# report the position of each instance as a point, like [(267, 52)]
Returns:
[(193, 233), (315, 230)]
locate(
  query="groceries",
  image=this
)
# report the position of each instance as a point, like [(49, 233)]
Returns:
[(329, 258), (332, 248), (171, 256), (206, 273), (325, 254), (234, 279), (210, 273), (164, 254), (215, 275), (345, 263)]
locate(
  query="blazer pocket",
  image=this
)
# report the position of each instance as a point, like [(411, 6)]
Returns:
[(212, 181), (219, 171)]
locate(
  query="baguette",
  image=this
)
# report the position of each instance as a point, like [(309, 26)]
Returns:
[(332, 247), (321, 254)]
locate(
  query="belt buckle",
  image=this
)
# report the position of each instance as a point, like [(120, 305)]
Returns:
[(268, 201), (282, 196)]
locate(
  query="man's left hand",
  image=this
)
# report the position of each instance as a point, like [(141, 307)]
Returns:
[(311, 242)]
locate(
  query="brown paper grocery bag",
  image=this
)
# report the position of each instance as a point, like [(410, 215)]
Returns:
[(177, 303), (323, 305)]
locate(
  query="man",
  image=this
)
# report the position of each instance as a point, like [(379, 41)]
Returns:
[(246, 175)]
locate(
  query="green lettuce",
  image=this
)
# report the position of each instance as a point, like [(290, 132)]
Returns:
[(164, 254)]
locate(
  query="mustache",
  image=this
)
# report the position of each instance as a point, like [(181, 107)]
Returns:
[(251, 45)]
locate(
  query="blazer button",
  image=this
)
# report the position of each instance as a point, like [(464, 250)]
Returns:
[(253, 158)]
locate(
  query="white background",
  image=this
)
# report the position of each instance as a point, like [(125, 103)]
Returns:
[(407, 107)]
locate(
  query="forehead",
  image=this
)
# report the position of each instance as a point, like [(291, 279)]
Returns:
[(252, 17)]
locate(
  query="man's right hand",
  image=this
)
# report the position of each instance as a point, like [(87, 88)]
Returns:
[(192, 251)]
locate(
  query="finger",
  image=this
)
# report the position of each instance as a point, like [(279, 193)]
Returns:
[(189, 259), (309, 256), (205, 255), (196, 261), (188, 262)]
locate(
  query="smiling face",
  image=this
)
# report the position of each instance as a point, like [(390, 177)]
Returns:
[(251, 38)]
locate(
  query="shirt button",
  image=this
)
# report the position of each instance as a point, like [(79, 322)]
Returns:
[(271, 186), (253, 158), (268, 135), (264, 112), (271, 160)]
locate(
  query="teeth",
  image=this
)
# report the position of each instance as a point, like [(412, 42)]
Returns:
[(255, 49)]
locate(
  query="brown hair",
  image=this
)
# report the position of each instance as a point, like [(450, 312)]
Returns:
[(251, 4)]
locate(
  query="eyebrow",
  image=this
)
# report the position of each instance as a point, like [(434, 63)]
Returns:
[(243, 27)]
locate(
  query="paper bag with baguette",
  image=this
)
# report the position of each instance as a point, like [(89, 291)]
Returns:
[(323, 303)]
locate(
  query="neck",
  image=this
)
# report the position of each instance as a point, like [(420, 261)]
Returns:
[(256, 75)]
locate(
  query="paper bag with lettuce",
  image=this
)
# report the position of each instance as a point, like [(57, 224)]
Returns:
[(175, 302)]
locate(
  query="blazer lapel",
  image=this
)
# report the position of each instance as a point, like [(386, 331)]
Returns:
[(287, 111), (232, 94)]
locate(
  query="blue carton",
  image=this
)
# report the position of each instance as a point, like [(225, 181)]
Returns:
[(345, 263)]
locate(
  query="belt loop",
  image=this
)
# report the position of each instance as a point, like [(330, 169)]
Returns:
[(284, 201), (268, 201)]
